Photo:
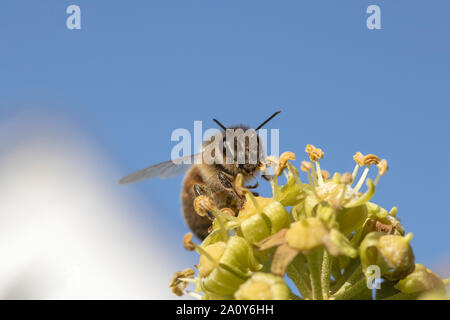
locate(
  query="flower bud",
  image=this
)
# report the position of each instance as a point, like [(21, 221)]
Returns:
[(421, 280), (272, 219), (250, 209), (263, 286), (225, 266), (277, 216), (206, 265), (255, 228), (392, 253), (351, 219)]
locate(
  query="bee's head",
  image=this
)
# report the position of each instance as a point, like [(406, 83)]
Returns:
[(242, 148)]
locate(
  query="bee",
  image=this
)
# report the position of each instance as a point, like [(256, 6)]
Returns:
[(214, 179)]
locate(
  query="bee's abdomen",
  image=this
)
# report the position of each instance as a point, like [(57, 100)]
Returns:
[(199, 225)]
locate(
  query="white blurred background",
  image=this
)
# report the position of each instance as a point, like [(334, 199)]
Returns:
[(67, 231)]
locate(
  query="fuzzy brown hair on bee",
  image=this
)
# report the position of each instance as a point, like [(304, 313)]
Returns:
[(214, 179)]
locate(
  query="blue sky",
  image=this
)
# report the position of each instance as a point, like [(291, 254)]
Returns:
[(138, 70)]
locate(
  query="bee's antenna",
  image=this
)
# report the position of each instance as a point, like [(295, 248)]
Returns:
[(270, 118), (220, 125)]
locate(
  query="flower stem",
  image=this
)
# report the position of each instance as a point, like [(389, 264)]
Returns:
[(314, 257), (274, 185), (325, 276), (352, 286), (351, 291), (298, 273), (347, 273)]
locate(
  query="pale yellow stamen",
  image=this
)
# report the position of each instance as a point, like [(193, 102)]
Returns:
[(362, 160), (282, 163), (319, 173), (239, 185), (355, 171), (346, 178), (202, 204), (359, 159), (306, 166), (177, 290), (180, 280), (313, 152), (187, 242), (194, 295), (361, 180), (371, 159), (228, 211), (314, 175), (271, 161), (342, 198), (325, 174), (382, 167)]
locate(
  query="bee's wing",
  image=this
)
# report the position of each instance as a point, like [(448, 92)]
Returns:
[(167, 169)]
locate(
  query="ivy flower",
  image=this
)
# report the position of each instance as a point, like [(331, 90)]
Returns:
[(324, 234)]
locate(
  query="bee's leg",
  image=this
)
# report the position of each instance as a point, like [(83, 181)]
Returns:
[(226, 183), (267, 178), (254, 186), (201, 190), (224, 180)]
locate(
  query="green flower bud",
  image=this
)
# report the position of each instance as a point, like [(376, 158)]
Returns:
[(224, 266), (206, 265), (351, 219), (277, 216), (263, 286), (421, 280), (255, 228), (392, 253), (259, 226)]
